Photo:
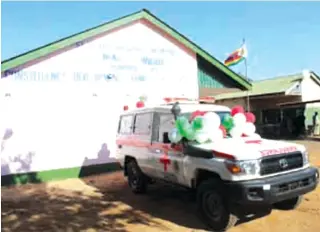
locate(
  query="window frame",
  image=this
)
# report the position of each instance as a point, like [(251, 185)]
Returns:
[(155, 133), (150, 124), (131, 126)]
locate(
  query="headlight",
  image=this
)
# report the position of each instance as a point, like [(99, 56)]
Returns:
[(305, 157), (249, 167)]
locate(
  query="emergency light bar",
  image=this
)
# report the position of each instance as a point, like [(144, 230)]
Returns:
[(170, 101), (181, 100)]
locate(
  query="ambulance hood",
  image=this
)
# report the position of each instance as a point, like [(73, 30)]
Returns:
[(250, 148)]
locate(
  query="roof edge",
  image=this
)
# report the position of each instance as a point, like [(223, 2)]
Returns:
[(49, 48), (299, 103), (299, 76), (194, 47), (250, 95), (314, 74), (315, 77), (56, 42), (70, 36)]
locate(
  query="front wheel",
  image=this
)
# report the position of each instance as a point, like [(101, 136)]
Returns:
[(289, 204), (213, 207), (136, 179)]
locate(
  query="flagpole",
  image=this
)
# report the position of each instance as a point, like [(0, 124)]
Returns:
[(246, 76)]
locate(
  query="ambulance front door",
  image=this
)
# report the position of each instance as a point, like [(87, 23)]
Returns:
[(166, 160)]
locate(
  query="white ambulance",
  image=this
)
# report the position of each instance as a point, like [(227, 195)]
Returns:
[(227, 176)]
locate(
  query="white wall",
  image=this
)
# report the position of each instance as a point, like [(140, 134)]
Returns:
[(310, 89), (57, 123)]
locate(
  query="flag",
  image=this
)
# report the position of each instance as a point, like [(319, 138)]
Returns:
[(237, 56)]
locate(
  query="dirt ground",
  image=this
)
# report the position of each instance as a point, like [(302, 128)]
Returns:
[(105, 203)]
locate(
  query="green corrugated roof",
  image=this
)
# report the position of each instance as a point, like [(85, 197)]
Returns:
[(264, 87), (143, 14)]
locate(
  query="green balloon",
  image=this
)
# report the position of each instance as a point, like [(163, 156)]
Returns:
[(190, 134), (185, 128), (197, 123), (227, 122), (182, 124)]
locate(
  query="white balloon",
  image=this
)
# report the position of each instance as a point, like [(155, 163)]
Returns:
[(211, 121), (249, 128), (216, 135), (174, 135), (201, 137), (236, 132), (239, 119), (255, 136)]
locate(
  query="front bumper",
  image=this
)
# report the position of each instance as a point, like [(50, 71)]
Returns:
[(273, 189)]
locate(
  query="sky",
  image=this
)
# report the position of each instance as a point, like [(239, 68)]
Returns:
[(282, 37)]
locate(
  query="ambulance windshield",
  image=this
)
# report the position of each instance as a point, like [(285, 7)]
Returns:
[(221, 114)]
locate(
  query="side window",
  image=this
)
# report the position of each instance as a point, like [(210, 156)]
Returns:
[(126, 123), (166, 124), (143, 123)]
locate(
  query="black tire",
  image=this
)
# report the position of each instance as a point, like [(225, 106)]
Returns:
[(136, 179), (213, 207), (289, 204)]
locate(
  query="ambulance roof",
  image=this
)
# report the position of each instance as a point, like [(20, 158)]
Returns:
[(185, 108)]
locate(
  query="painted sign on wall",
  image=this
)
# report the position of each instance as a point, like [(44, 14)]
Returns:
[(135, 54)]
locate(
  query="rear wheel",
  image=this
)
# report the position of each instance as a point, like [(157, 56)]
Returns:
[(213, 207), (136, 179), (289, 204)]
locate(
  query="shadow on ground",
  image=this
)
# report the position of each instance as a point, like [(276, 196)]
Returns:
[(115, 209), (38, 210), (167, 203)]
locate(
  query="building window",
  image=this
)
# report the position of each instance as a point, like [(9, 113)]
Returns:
[(142, 124), (126, 123)]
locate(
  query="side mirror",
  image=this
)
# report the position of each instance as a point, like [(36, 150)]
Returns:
[(176, 110), (165, 137)]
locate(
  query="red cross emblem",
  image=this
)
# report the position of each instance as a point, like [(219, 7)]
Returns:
[(164, 159)]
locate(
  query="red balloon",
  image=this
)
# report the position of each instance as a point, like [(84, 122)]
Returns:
[(250, 117), (224, 131), (203, 112), (140, 104), (196, 114), (237, 109), (125, 108)]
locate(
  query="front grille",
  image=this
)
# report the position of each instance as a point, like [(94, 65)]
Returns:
[(282, 188), (281, 163)]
